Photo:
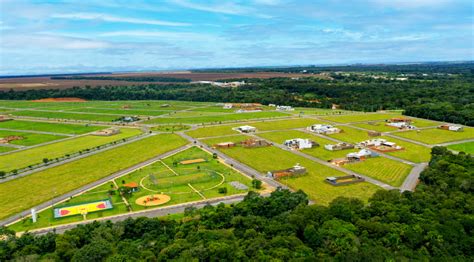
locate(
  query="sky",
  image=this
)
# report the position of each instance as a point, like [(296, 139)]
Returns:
[(70, 36)]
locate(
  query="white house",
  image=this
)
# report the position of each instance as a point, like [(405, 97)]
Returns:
[(284, 108), (371, 142), (299, 143), (324, 129), (245, 129), (364, 153), (401, 125)]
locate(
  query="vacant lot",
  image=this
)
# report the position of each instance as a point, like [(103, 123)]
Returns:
[(49, 127), (272, 158), (360, 117), (63, 115), (437, 136), (24, 158), (464, 147), (29, 139), (386, 170), (23, 193), (120, 112), (216, 118), (412, 152), (351, 135)]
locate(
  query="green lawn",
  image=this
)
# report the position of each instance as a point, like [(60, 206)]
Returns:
[(386, 170), (351, 135), (261, 126), (64, 115), (272, 158), (216, 118), (24, 158), (29, 139), (412, 152), (437, 136), (4, 149), (464, 147), (121, 112), (361, 117), (377, 126), (49, 127), (23, 193)]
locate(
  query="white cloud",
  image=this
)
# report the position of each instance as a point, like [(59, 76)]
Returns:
[(45, 41), (223, 8), (110, 18), (182, 36)]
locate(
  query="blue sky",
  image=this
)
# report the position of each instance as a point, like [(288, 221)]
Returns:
[(124, 35)]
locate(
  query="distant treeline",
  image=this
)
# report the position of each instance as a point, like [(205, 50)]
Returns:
[(433, 67), (434, 223), (125, 78), (440, 97)]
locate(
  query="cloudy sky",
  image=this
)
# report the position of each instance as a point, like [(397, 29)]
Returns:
[(121, 35)]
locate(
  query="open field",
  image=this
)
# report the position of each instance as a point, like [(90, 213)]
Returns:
[(49, 127), (261, 126), (383, 169), (63, 115), (464, 147), (360, 117), (22, 193), (4, 149), (120, 112), (437, 136), (24, 158), (216, 118), (412, 152), (29, 139), (351, 135), (377, 126), (272, 158)]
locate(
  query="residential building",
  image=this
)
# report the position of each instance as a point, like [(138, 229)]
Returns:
[(299, 143), (324, 129)]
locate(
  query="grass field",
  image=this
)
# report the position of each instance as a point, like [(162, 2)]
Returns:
[(360, 117), (272, 158), (437, 136), (25, 192), (64, 115), (464, 147), (261, 126), (29, 139), (215, 118), (351, 135), (412, 152), (4, 149), (72, 129), (376, 126), (120, 112), (24, 158), (383, 169)]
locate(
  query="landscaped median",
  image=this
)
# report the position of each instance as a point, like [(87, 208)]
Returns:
[(20, 194)]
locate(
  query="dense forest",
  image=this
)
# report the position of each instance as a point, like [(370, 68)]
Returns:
[(433, 223), (444, 97)]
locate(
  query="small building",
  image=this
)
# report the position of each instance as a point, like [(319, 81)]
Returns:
[(254, 143), (131, 186), (8, 139), (399, 120), (361, 155), (4, 118), (165, 105), (127, 119), (334, 106), (293, 171), (285, 108), (225, 145), (401, 125), (449, 127), (126, 106), (106, 132), (344, 180), (374, 133), (339, 146), (370, 142), (324, 129), (249, 110), (227, 106), (299, 143), (245, 129), (380, 145)]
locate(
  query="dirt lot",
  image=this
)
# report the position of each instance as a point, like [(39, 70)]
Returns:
[(43, 82)]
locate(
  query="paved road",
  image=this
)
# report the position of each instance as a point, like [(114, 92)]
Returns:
[(93, 152), (156, 212), (412, 179), (91, 185), (457, 142), (36, 132), (235, 164)]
